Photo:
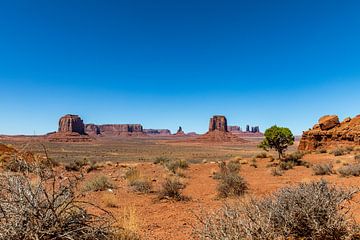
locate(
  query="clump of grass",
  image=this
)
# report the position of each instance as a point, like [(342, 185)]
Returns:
[(323, 169), (93, 166), (308, 211), (176, 164), (339, 151), (171, 189), (227, 168), (76, 165), (322, 150), (350, 170), (136, 182), (276, 171), (261, 155), (253, 163), (98, 183), (161, 160)]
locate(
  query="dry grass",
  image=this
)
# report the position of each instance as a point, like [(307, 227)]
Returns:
[(98, 183), (323, 169), (171, 189), (137, 182)]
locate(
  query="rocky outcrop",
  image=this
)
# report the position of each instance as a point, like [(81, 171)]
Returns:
[(157, 132), (92, 129), (252, 131), (71, 123), (329, 121), (180, 132), (121, 130), (218, 132), (219, 123), (330, 133), (71, 129)]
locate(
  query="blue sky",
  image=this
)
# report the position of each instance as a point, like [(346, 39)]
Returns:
[(169, 63)]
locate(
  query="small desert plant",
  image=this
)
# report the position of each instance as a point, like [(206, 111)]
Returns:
[(176, 164), (227, 168), (110, 200), (313, 210), (141, 185), (277, 171), (98, 183), (292, 160), (76, 165), (233, 166), (161, 160), (232, 184), (132, 174), (339, 151), (357, 158), (171, 189), (92, 166), (261, 155), (350, 170), (323, 169), (253, 163), (322, 150)]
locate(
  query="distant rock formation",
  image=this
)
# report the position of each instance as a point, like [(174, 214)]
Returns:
[(234, 129), (71, 129), (251, 131), (180, 132), (157, 132), (115, 129), (219, 123), (71, 123), (218, 132), (329, 133), (92, 129)]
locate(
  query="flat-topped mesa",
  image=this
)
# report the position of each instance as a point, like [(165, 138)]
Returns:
[(71, 123), (219, 123), (180, 132), (121, 129), (71, 129), (234, 129), (330, 133), (157, 132)]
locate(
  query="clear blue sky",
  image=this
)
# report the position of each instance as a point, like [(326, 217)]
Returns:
[(170, 63)]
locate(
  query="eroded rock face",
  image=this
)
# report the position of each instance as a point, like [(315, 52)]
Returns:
[(218, 123), (71, 123), (329, 133)]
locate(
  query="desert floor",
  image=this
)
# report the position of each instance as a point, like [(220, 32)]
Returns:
[(167, 219)]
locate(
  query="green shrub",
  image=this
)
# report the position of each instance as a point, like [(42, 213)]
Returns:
[(98, 183), (141, 185), (161, 160), (76, 165)]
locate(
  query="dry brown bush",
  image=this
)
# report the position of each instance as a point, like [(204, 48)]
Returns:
[(171, 189), (313, 210), (44, 207), (323, 169)]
